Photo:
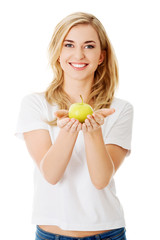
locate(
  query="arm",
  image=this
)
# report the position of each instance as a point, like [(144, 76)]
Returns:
[(100, 164), (52, 159), (102, 160)]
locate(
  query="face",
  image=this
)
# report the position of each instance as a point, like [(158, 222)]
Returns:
[(81, 53)]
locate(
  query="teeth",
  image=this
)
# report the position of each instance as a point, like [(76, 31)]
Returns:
[(78, 65)]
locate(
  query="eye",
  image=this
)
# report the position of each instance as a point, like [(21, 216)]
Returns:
[(69, 45), (89, 46)]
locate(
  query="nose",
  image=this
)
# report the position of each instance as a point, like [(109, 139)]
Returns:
[(79, 54)]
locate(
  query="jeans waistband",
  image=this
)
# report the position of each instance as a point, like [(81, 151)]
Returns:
[(106, 235)]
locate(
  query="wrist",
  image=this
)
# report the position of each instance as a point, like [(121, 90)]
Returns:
[(95, 133), (68, 134)]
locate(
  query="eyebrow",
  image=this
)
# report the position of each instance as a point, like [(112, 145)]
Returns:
[(71, 41)]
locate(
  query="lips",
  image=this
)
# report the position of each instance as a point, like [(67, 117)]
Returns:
[(79, 66)]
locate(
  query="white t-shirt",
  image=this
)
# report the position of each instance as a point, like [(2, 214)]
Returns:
[(74, 203)]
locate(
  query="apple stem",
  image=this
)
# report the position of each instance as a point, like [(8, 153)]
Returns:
[(81, 98)]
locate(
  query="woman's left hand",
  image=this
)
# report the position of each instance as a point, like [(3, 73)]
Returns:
[(94, 121)]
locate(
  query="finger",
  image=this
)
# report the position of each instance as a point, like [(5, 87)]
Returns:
[(105, 111), (79, 127), (69, 124), (88, 125), (61, 123), (74, 126), (61, 113), (93, 121), (98, 118), (84, 127)]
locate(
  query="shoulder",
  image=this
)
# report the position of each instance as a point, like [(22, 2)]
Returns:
[(122, 107), (34, 98), (37, 105), (123, 111), (33, 104), (37, 100), (32, 114), (117, 128), (121, 104)]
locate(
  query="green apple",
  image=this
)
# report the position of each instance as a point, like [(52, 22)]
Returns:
[(80, 111)]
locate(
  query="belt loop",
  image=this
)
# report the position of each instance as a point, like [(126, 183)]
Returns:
[(98, 237), (57, 237)]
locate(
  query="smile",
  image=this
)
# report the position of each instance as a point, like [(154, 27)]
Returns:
[(79, 66)]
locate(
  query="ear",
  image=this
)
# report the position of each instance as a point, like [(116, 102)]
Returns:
[(102, 56)]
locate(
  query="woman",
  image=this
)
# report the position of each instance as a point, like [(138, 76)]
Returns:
[(76, 162)]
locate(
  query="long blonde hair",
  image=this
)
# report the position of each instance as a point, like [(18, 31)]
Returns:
[(106, 75)]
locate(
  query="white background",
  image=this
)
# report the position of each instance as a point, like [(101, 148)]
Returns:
[(133, 28)]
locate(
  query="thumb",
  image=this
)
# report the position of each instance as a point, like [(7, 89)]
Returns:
[(61, 113), (105, 111)]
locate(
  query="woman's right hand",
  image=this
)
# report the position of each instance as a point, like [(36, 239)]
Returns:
[(63, 121)]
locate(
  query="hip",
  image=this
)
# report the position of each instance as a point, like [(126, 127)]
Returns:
[(79, 234), (116, 234)]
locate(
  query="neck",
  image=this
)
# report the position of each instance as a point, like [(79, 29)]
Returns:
[(76, 88)]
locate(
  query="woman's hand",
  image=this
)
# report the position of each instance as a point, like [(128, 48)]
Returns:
[(94, 121), (63, 121)]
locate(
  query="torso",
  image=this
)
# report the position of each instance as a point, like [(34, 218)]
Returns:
[(59, 231)]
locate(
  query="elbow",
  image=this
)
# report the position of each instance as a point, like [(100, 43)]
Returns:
[(102, 183), (50, 178), (51, 181)]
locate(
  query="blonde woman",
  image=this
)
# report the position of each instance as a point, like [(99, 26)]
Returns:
[(75, 162)]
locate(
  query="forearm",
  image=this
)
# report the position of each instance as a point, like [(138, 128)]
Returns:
[(100, 165), (55, 161)]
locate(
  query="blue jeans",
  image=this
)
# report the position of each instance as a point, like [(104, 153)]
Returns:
[(117, 234)]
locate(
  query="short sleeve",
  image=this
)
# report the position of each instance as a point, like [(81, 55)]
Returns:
[(121, 131), (31, 115)]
